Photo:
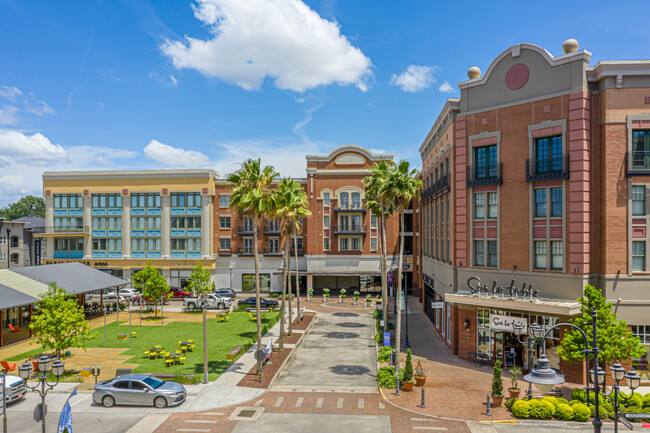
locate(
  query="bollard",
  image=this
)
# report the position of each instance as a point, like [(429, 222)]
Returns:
[(396, 385), (392, 358), (422, 405), (488, 413)]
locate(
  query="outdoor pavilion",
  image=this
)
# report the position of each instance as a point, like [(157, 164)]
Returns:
[(20, 289)]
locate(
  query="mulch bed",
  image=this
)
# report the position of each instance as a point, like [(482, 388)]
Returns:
[(251, 380), (292, 339), (304, 323)]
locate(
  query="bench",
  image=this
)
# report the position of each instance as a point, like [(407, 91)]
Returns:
[(262, 310), (235, 350)]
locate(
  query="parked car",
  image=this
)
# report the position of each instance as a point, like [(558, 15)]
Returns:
[(177, 292), (111, 298), (150, 301), (129, 294), (225, 292), (213, 301), (139, 389), (264, 303), (14, 388)]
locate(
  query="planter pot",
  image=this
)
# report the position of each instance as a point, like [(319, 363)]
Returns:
[(354, 302), (497, 401), (308, 296), (325, 298), (514, 392), (420, 380), (408, 386), (340, 299)]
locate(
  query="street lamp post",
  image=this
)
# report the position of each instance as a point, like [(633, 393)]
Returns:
[(45, 364), (632, 380), (531, 340)]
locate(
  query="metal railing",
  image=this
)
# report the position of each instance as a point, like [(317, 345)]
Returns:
[(77, 230), (268, 230), (637, 163), (272, 252), (478, 175), (351, 207), (245, 230), (547, 168), (350, 229), (439, 187)]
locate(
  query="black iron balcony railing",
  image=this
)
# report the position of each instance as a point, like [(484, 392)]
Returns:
[(442, 185), (225, 252), (246, 252), (272, 252), (638, 163), (301, 252), (478, 175), (76, 230), (547, 168), (271, 230), (350, 229), (245, 230)]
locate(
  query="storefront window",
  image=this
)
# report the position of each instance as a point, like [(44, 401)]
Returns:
[(248, 282)]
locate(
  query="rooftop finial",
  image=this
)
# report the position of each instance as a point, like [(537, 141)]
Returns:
[(570, 46)]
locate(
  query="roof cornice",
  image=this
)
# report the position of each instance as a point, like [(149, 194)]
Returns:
[(615, 68), (350, 148), (129, 174)]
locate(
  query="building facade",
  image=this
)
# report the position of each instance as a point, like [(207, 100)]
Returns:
[(18, 244), (548, 173)]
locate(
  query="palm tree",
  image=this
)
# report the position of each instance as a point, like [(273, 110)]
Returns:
[(252, 196), (379, 200), (402, 186)]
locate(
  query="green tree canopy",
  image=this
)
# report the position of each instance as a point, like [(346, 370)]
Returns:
[(199, 280), (152, 284), (28, 205), (59, 322), (615, 339)]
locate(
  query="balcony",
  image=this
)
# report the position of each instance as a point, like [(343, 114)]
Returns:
[(245, 230), (481, 175), (300, 253), (547, 169), (51, 230), (270, 230), (225, 253), (246, 252), (350, 207), (637, 163), (272, 252), (351, 229)]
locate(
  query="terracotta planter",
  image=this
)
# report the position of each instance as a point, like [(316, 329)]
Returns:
[(497, 401), (420, 381), (408, 386), (514, 392)]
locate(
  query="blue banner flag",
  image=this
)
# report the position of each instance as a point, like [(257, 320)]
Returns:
[(65, 420)]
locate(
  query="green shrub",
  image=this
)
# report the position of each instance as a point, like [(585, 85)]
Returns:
[(497, 383), (562, 400), (552, 400), (384, 354), (386, 377), (521, 409), (646, 400), (376, 314), (572, 402), (564, 412), (510, 402), (407, 373), (608, 406), (391, 326), (581, 412), (541, 409), (631, 409), (592, 398), (635, 400), (602, 412), (379, 337), (579, 394)]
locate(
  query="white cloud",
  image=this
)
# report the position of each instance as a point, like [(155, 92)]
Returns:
[(446, 88), (20, 102), (173, 80), (281, 39), (9, 115), (415, 78), (30, 149), (175, 156), (10, 92)]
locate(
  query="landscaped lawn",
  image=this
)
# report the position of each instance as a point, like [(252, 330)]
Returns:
[(222, 337)]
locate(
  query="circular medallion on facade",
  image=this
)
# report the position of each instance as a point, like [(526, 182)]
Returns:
[(517, 76)]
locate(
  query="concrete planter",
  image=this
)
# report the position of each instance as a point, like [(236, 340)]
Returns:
[(354, 301), (325, 298), (309, 296)]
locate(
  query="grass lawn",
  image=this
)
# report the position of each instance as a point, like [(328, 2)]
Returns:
[(222, 337), (39, 349)]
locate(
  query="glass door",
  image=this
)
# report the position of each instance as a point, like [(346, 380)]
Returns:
[(497, 348)]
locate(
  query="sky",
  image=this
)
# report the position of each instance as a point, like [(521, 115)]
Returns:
[(137, 84)]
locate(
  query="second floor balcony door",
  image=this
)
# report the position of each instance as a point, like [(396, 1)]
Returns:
[(248, 245), (248, 224), (344, 223), (485, 162), (548, 154), (641, 149), (355, 223)]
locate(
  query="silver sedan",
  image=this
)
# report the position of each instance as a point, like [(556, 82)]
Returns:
[(140, 390)]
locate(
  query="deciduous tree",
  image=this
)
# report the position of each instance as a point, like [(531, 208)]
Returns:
[(200, 287), (28, 205), (152, 285)]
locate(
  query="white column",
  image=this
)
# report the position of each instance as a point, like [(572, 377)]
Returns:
[(126, 226), (206, 224), (310, 282), (47, 245), (88, 221), (166, 225)]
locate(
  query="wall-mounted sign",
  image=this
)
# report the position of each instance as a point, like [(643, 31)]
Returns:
[(504, 323), (37, 252), (437, 305), (526, 291)]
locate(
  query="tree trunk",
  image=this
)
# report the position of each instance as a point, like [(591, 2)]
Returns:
[(285, 275), (295, 243), (384, 271), (398, 298), (205, 340), (257, 296), (288, 253)]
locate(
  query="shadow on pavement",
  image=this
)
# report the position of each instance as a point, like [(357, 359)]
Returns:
[(341, 335), (345, 314), (351, 325), (350, 370)]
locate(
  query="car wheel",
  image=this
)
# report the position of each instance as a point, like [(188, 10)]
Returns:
[(108, 401), (191, 305), (221, 306), (160, 402)]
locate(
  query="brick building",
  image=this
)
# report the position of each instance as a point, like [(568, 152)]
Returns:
[(542, 164)]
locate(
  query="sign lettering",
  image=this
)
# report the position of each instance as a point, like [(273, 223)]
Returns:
[(526, 291), (505, 323)]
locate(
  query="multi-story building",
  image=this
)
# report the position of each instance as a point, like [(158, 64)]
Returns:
[(548, 187), (18, 246), (119, 220)]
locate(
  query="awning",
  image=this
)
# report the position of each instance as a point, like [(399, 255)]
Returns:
[(13, 298), (344, 266), (556, 307)]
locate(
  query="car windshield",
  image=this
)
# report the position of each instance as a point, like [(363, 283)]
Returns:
[(153, 382)]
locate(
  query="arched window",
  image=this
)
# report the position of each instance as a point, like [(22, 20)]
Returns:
[(356, 200), (344, 200)]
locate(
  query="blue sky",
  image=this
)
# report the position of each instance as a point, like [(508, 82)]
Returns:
[(150, 84)]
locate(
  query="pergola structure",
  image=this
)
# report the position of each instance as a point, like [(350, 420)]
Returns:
[(20, 289)]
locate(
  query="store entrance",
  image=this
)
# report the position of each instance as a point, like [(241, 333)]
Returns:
[(509, 350)]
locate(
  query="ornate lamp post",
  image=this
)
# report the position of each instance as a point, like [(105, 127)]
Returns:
[(45, 364), (531, 340), (632, 380)]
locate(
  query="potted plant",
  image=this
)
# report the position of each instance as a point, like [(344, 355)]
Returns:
[(368, 300), (326, 294), (342, 295), (355, 299), (514, 390), (497, 385), (420, 375), (378, 302), (310, 293), (407, 373)]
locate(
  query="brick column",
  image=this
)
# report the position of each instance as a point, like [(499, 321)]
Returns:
[(461, 191)]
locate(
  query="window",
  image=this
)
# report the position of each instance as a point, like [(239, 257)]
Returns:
[(185, 199), (492, 254), (643, 332), (548, 154), (295, 241), (110, 244), (224, 222), (248, 224), (356, 200), (3, 240), (479, 253), (326, 199), (344, 244), (356, 244), (68, 201), (485, 161), (557, 255), (540, 203), (113, 201), (138, 385), (479, 207), (344, 223), (540, 255), (248, 282), (326, 221), (373, 221), (638, 199), (14, 242), (150, 199), (326, 244), (355, 223), (274, 225), (248, 245), (373, 244), (123, 384), (224, 244), (638, 256), (641, 149), (492, 205), (274, 245), (556, 202), (3, 257), (344, 200), (224, 200), (14, 259)]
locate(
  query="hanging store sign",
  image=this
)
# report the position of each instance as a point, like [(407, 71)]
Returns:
[(505, 323), (437, 305), (525, 292)]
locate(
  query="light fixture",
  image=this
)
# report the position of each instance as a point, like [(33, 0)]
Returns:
[(466, 323), (632, 380), (536, 330), (44, 363), (518, 328), (58, 367), (597, 376), (544, 377), (25, 370), (618, 372)]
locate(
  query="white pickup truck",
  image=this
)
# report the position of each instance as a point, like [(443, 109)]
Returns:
[(212, 301), (15, 388)]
